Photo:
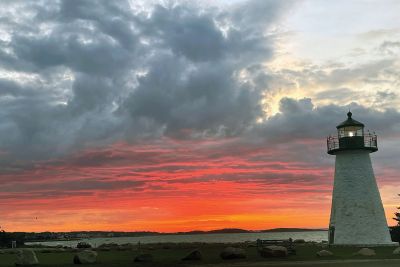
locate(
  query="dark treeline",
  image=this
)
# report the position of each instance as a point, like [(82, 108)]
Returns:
[(395, 230), (7, 238)]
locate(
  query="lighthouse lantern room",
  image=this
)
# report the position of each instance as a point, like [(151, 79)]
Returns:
[(350, 135)]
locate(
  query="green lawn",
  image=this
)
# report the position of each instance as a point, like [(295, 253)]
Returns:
[(170, 256)]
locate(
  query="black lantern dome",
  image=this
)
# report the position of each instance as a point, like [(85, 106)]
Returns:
[(351, 136), (350, 122)]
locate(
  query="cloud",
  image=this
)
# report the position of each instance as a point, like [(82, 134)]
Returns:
[(169, 108), (302, 120), (390, 47), (92, 73)]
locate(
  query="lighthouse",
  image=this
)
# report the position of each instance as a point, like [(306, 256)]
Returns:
[(357, 214)]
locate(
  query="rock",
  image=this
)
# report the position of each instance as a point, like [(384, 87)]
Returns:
[(83, 245), (85, 256), (144, 258), (366, 252), (299, 241), (273, 252), (324, 253), (233, 253), (26, 257), (194, 255), (396, 251)]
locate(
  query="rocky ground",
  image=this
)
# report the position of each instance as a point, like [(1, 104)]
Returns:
[(205, 255)]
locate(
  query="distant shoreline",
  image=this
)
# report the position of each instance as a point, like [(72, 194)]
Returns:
[(214, 237), (77, 235), (236, 231)]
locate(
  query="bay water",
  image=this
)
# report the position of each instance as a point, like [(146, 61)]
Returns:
[(317, 236)]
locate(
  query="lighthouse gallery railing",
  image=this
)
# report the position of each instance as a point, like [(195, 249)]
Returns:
[(370, 141)]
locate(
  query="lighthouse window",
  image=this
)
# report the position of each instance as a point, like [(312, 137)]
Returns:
[(350, 131)]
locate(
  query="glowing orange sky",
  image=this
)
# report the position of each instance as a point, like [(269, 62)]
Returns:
[(169, 186), (196, 115)]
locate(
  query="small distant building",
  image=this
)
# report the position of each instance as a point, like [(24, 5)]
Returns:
[(357, 214)]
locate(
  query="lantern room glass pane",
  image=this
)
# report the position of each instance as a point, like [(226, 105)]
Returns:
[(350, 131)]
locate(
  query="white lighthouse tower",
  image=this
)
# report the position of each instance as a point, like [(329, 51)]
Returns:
[(357, 215)]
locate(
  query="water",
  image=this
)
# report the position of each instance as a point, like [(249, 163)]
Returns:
[(317, 236)]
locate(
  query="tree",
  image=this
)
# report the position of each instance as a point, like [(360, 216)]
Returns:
[(397, 218), (6, 238), (395, 230)]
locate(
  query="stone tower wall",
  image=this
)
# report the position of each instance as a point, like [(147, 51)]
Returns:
[(357, 212)]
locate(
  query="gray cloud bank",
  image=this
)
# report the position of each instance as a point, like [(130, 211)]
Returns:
[(80, 73)]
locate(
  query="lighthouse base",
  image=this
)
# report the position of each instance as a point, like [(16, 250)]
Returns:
[(392, 244), (357, 215)]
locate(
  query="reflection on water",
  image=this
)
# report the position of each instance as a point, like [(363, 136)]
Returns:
[(317, 236)]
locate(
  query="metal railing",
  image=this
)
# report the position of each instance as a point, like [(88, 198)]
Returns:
[(370, 141)]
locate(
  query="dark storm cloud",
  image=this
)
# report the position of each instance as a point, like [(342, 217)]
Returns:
[(12, 88), (205, 98), (78, 74), (192, 35), (106, 71), (300, 119), (196, 89)]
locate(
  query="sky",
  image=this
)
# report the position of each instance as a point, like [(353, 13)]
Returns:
[(189, 115)]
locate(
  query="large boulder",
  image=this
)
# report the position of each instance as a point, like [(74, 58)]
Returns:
[(85, 257), (144, 258), (324, 253), (233, 253), (366, 252), (273, 252), (26, 257), (83, 245), (396, 251), (194, 255)]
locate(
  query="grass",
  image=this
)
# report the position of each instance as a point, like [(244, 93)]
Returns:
[(170, 256)]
